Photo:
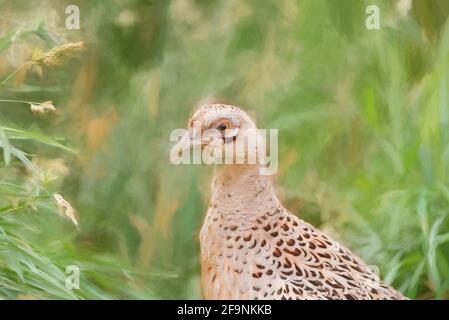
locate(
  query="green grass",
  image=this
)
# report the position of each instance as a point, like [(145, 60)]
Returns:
[(363, 121)]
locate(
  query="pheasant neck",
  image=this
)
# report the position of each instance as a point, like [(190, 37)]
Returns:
[(240, 192)]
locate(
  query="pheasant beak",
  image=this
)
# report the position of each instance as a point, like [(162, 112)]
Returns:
[(188, 142)]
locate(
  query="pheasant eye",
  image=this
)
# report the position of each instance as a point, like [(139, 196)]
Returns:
[(223, 126)]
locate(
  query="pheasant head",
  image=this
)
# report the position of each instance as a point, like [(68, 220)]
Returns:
[(225, 134)]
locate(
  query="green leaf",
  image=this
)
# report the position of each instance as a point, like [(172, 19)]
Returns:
[(21, 134), (414, 282), (4, 143)]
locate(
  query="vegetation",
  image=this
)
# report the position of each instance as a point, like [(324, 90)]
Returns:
[(363, 119)]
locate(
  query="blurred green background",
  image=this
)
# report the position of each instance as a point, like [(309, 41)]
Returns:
[(363, 119)]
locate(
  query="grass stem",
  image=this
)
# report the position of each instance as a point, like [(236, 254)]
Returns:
[(10, 76)]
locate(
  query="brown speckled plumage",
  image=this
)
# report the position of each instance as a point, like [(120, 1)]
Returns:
[(253, 248)]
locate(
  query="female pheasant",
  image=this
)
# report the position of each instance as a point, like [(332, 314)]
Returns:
[(252, 247)]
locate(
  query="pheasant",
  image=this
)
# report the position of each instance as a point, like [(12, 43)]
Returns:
[(254, 248)]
